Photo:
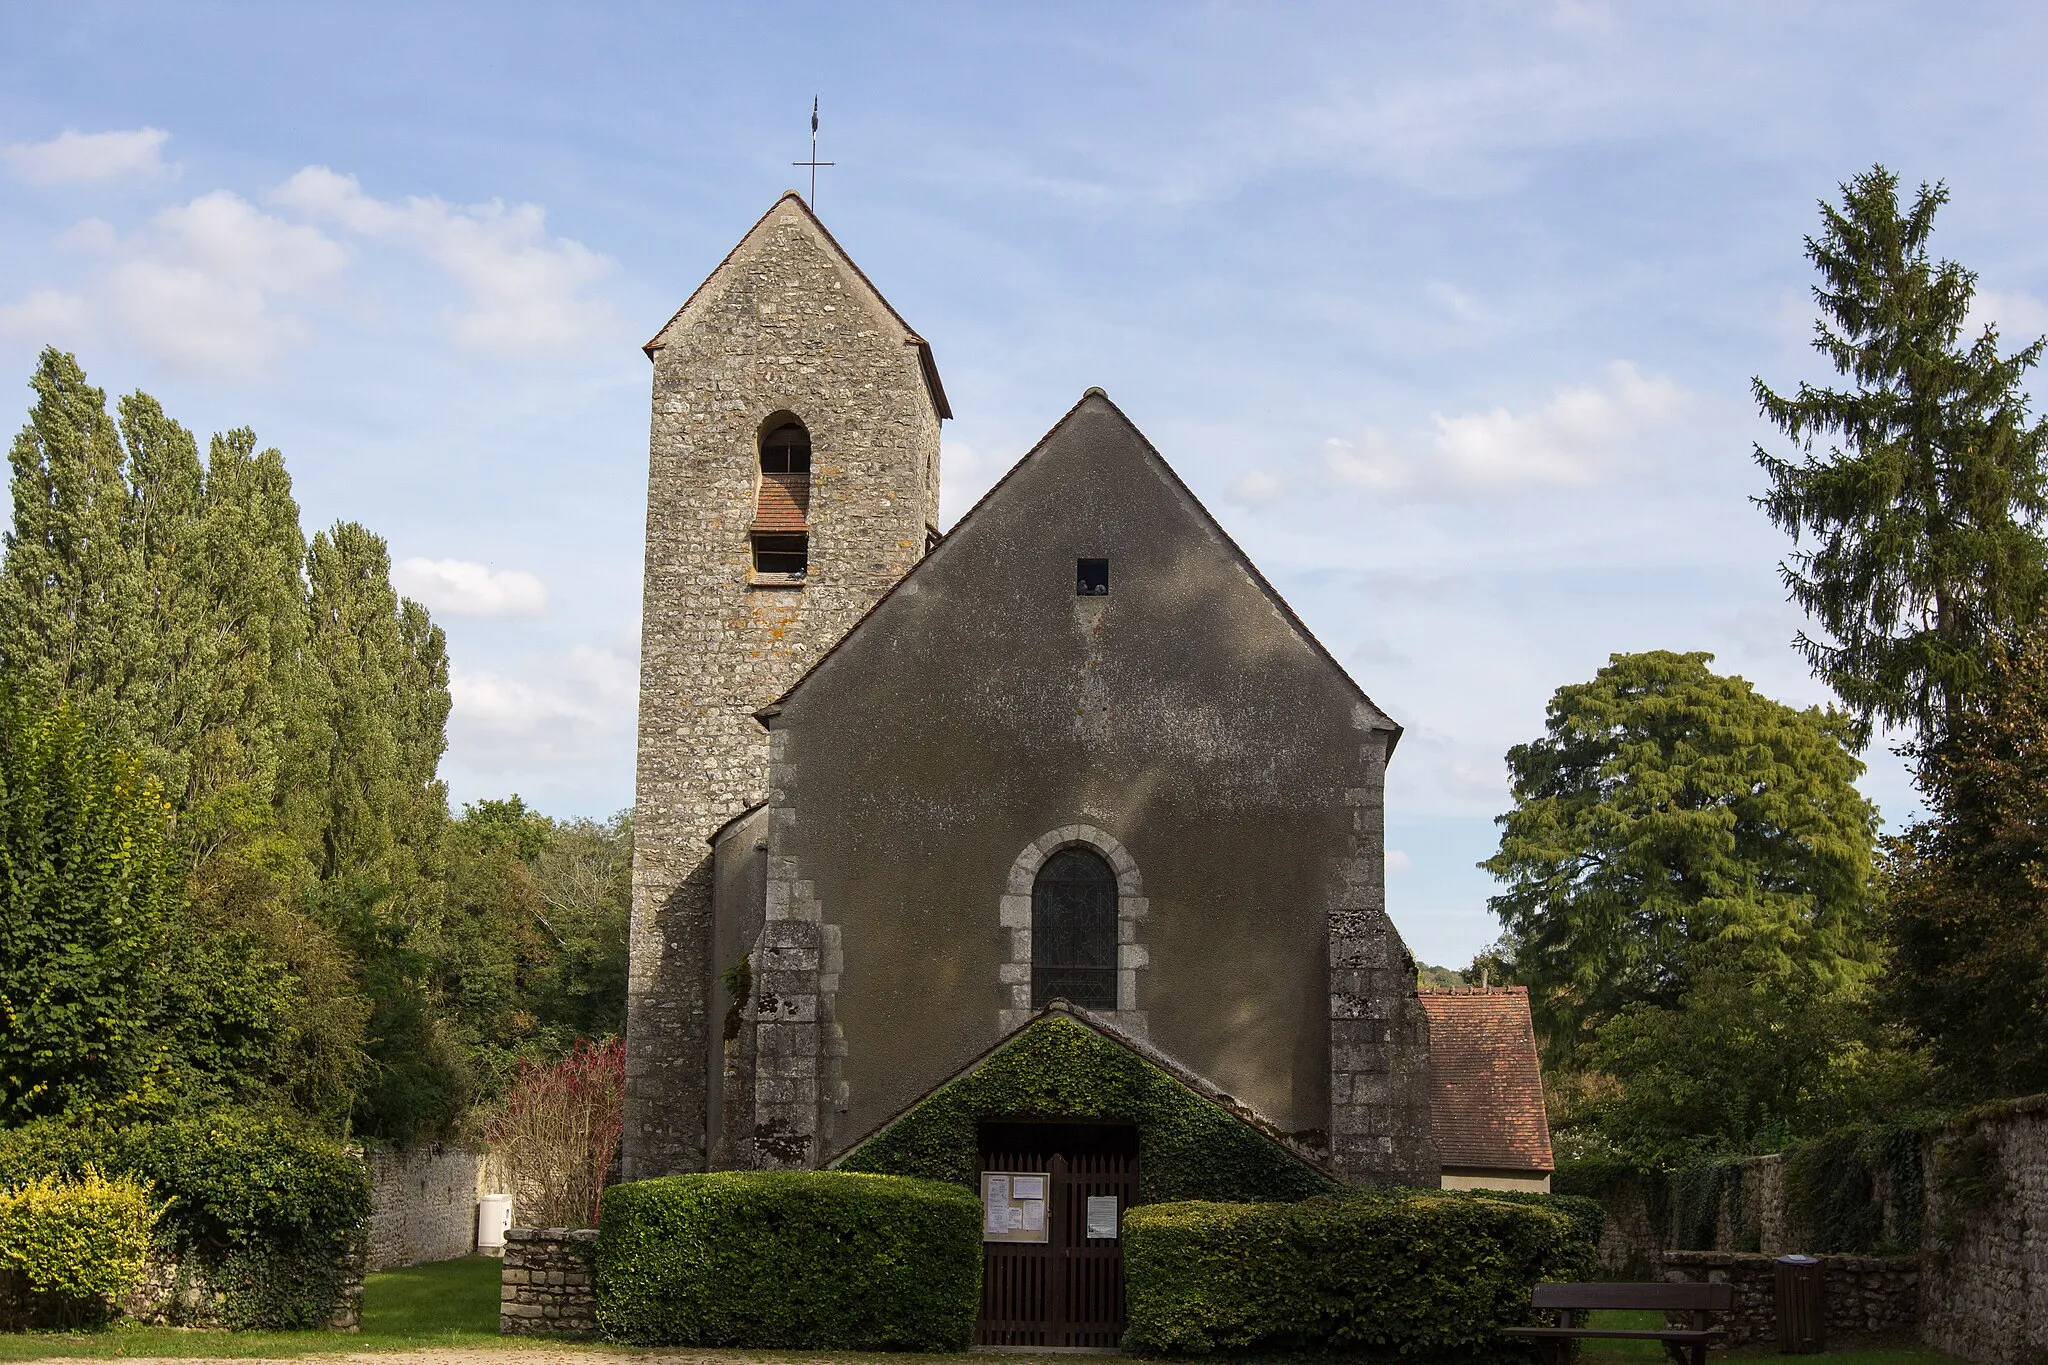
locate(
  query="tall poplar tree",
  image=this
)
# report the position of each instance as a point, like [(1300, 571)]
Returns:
[(377, 710), (73, 604), (164, 479), (1921, 511)]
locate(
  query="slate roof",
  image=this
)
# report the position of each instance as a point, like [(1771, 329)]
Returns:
[(1487, 1112)]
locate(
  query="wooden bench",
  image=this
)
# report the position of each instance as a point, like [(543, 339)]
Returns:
[(1569, 1301)]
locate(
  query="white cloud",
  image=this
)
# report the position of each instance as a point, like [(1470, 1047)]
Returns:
[(1255, 486), (197, 286), (1397, 861), (1583, 436), (965, 473), (47, 317), (559, 711), (73, 158), (2020, 318), (461, 588), (523, 286)]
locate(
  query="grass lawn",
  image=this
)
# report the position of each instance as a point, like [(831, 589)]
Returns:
[(1646, 1352), (455, 1304), (449, 1303)]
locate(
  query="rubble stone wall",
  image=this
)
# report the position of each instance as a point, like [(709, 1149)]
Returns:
[(548, 1287), (1864, 1296)]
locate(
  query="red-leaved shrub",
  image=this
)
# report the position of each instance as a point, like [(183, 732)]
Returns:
[(558, 1131)]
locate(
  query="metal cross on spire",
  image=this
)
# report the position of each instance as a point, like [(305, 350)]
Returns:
[(813, 163)]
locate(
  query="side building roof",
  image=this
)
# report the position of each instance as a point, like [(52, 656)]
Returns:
[(1487, 1111)]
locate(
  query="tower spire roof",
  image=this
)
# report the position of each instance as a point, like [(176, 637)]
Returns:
[(791, 201)]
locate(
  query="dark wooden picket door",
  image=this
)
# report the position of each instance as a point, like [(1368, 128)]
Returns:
[(1069, 1289)]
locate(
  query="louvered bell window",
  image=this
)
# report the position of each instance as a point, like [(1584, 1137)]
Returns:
[(782, 505)]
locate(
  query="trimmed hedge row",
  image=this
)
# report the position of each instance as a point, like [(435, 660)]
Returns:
[(266, 1214), (812, 1260), (1057, 1069), (69, 1249), (1401, 1275)]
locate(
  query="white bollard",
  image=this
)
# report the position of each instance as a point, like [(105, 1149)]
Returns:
[(493, 1216)]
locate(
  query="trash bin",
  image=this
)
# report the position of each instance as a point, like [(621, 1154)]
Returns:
[(493, 1216), (1802, 1310)]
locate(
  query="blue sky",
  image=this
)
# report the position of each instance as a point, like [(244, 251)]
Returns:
[(1448, 311)]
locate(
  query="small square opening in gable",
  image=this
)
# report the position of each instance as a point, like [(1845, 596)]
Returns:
[(1091, 578)]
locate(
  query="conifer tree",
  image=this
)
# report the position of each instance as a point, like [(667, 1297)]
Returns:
[(1922, 515)]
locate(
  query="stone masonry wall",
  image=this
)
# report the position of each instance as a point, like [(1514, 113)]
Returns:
[(1986, 1293), (1983, 1231), (422, 1205), (1379, 1036), (1862, 1296), (548, 1286), (785, 324)]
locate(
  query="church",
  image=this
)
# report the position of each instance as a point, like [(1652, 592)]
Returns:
[(906, 796)]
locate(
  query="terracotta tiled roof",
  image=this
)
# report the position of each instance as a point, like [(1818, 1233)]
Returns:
[(782, 503), (1487, 1112)]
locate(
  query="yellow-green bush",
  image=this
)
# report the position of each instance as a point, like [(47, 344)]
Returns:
[(69, 1249)]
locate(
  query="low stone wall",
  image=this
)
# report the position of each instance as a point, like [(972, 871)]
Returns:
[(548, 1287), (423, 1205), (1864, 1296), (176, 1294)]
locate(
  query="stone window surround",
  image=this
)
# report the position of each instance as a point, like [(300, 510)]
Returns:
[(1013, 913)]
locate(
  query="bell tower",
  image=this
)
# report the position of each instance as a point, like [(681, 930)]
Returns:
[(793, 478)]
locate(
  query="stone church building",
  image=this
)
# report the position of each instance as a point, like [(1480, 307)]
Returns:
[(905, 797)]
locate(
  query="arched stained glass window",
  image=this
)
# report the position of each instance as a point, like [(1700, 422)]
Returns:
[(1073, 931)]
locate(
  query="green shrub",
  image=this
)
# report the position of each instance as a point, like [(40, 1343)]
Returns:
[(69, 1249), (1057, 1069), (1402, 1274), (266, 1214), (813, 1260)]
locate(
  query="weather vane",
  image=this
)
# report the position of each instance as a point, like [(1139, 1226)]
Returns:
[(813, 163)]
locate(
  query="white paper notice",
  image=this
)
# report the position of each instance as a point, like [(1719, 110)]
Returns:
[(1027, 1187), (995, 1204), (1102, 1215), (1029, 1215)]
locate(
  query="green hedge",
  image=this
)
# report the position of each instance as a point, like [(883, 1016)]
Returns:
[(1403, 1275), (267, 1215), (69, 1249), (1057, 1069), (812, 1260)]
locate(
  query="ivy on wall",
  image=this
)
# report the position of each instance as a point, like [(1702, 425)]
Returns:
[(1057, 1069)]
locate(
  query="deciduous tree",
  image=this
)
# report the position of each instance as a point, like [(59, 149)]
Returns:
[(1667, 809)]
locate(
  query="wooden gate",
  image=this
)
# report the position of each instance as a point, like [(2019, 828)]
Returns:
[(1069, 1289)]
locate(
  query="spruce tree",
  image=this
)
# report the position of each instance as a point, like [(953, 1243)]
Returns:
[(1922, 511)]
